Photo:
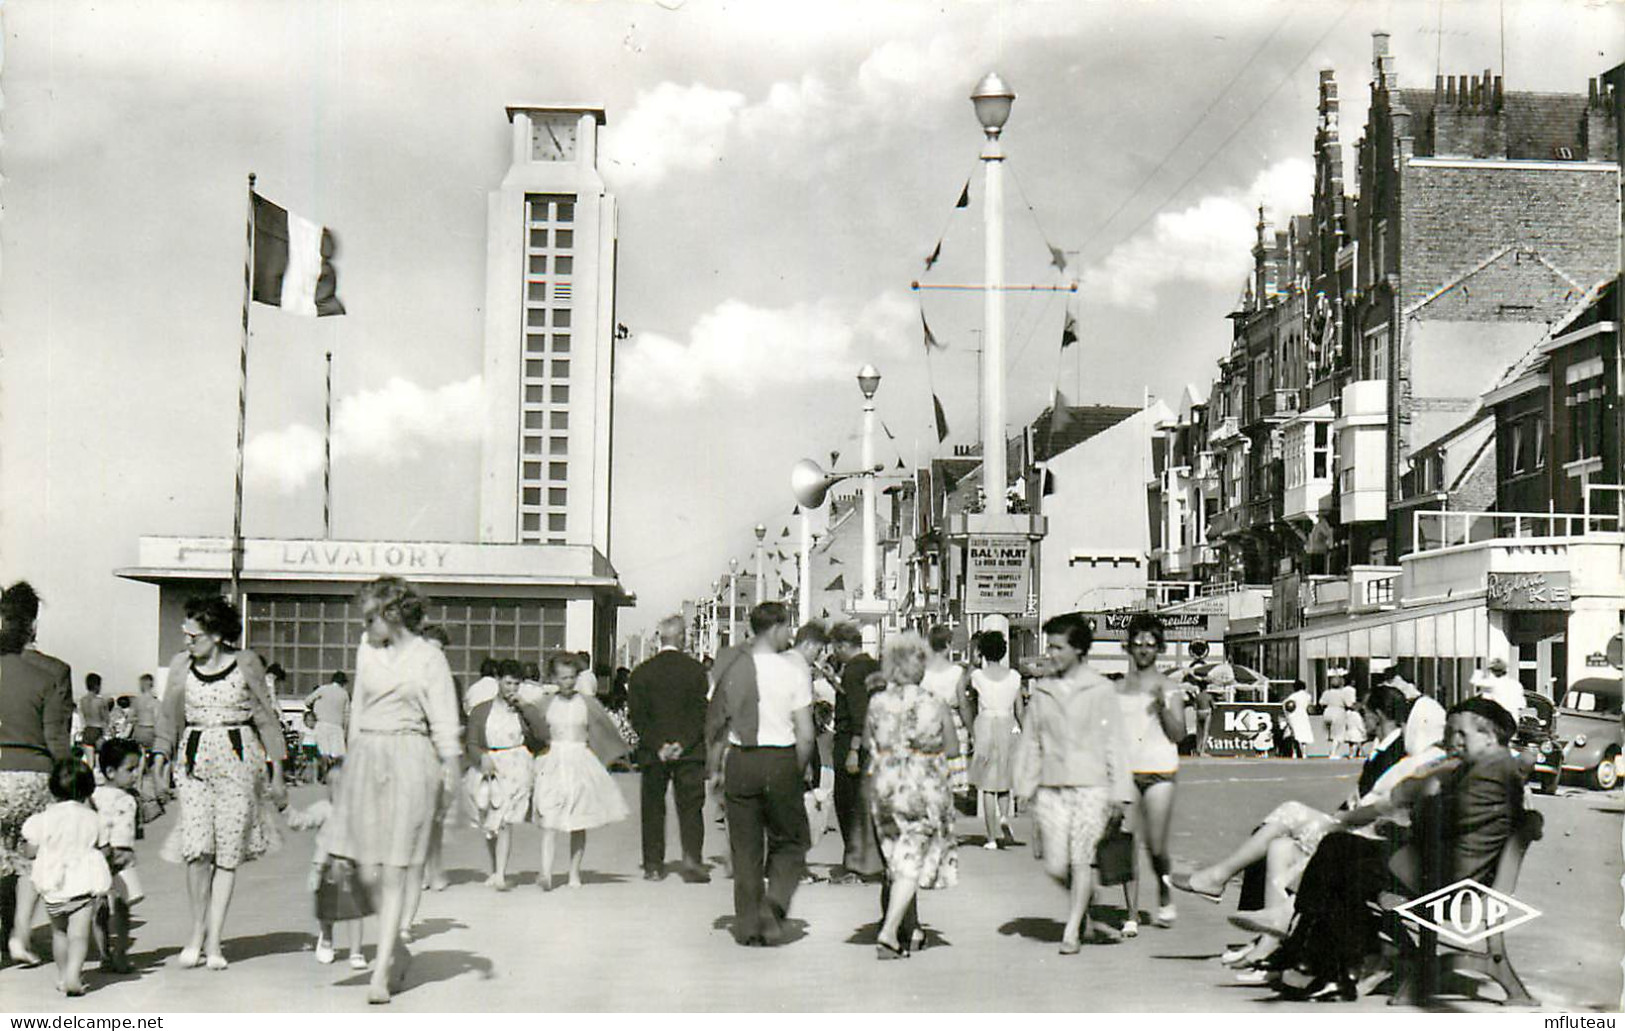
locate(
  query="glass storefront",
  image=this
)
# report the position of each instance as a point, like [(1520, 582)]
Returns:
[(314, 636)]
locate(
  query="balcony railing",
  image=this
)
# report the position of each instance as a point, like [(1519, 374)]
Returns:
[(1277, 404), (1432, 530), (1225, 430)]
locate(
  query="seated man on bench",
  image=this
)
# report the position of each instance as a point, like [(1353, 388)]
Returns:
[(1464, 810)]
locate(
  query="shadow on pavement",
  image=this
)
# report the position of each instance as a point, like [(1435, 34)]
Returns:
[(272, 944), (869, 934), (432, 926), (432, 967), (790, 929), (465, 876), (1036, 928)]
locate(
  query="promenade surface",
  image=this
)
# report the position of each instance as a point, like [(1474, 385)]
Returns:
[(621, 943)]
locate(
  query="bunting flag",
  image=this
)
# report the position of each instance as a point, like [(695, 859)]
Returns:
[(1057, 257), (1069, 331), (785, 587), (930, 337), (933, 257), (835, 561), (784, 532), (837, 584), (796, 510), (942, 419), (834, 458), (887, 430), (900, 464), (964, 196), (293, 267)]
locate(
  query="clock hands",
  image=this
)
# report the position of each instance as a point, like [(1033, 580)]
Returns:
[(551, 135)]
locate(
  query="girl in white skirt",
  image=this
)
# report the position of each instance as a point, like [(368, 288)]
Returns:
[(574, 791)]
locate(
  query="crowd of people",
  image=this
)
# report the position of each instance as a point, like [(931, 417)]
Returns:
[(766, 732)]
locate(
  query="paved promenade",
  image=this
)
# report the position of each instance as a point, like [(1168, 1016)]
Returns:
[(621, 943)]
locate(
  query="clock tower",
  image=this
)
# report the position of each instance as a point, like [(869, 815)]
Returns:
[(549, 337)]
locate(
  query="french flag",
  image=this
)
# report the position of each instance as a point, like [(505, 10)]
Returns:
[(293, 267)]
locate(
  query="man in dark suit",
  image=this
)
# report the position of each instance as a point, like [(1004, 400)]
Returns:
[(859, 853), (759, 733), (666, 703)]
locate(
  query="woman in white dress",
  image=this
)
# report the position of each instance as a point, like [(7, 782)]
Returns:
[(998, 721), (574, 791), (945, 680)]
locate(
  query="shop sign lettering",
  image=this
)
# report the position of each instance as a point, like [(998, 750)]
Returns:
[(998, 572), (1528, 592)]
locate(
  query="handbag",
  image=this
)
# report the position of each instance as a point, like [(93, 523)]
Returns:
[(341, 895), (1114, 856)]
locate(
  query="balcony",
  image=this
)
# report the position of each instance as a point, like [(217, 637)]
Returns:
[(1365, 589), (1362, 449), (1436, 531), (1225, 431), (1276, 404)]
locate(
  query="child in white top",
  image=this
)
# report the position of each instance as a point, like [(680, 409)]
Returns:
[(68, 872), (119, 811), (334, 880)]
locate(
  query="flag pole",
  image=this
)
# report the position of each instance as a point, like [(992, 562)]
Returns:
[(242, 408), (327, 455)]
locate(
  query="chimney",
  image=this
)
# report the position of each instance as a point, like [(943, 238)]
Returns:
[(1438, 88), (1382, 65), (1500, 98)]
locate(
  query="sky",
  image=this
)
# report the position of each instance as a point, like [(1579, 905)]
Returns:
[(782, 170)]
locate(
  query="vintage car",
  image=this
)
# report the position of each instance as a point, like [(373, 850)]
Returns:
[(1588, 725), (1537, 741)]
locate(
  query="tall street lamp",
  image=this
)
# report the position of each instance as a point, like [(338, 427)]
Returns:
[(868, 383), (761, 573), (992, 100), (716, 628), (804, 569)]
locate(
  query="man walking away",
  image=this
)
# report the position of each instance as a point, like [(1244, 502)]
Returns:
[(667, 700), (93, 712), (860, 856), (761, 719), (331, 704)]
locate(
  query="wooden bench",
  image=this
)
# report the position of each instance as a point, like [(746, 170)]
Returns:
[(1421, 972)]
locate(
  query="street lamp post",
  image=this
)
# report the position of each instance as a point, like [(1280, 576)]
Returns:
[(733, 599), (761, 571), (804, 569), (716, 630), (868, 383), (992, 100)]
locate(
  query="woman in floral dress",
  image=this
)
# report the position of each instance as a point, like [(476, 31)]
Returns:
[(909, 736), (218, 729)]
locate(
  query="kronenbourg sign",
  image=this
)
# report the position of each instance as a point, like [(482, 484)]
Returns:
[(1467, 912)]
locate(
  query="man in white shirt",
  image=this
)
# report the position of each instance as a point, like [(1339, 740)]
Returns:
[(1501, 689), (759, 732)]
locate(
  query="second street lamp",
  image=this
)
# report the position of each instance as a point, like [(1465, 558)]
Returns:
[(761, 577), (733, 601), (869, 383)]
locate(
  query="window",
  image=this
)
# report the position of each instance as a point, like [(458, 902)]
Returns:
[(556, 496), (535, 343), (534, 420), (565, 212), (564, 239), (561, 318), (555, 522), (535, 393), (535, 368), (531, 521), (1584, 402), (563, 264), (1526, 444), (558, 446), (538, 238), (560, 420), (532, 470), (561, 369), (561, 393), (536, 317), (558, 472), (533, 496), (538, 264), (533, 445), (1322, 450), (561, 343)]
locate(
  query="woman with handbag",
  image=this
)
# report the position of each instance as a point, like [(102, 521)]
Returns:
[(1153, 712), (1072, 763), (998, 689)]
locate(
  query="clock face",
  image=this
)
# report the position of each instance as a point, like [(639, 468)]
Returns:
[(553, 139)]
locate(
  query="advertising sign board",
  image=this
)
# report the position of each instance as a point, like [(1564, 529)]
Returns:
[(1240, 729), (998, 574)]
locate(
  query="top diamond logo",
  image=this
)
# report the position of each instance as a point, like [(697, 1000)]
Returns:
[(1467, 912)]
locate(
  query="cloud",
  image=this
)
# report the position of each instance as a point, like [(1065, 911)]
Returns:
[(740, 348), (1209, 242), (670, 128), (388, 426), (909, 72)]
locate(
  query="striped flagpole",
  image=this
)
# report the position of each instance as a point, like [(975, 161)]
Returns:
[(327, 455), (242, 408)]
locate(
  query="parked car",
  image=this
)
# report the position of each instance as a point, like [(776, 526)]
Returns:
[(1537, 740), (1588, 725)]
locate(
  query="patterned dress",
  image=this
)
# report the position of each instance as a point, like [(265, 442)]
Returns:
[(909, 794), (504, 798), (220, 776)]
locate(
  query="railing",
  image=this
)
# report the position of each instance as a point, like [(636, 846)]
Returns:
[(1228, 427), (1277, 403), (1434, 530), (1381, 592)]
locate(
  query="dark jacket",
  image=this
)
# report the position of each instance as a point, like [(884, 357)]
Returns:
[(1461, 831), (666, 701), (36, 711), (531, 721), (852, 701)]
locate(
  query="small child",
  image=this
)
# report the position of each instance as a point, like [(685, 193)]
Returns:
[(309, 753), (334, 880), (118, 808), (120, 718), (68, 872)]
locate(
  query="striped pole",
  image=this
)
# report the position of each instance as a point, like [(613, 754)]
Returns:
[(242, 409), (327, 455)]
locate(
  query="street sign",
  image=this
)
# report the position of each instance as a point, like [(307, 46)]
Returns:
[(1242, 728), (998, 572), (1467, 912)]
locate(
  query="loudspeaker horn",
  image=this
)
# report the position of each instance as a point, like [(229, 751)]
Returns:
[(810, 483)]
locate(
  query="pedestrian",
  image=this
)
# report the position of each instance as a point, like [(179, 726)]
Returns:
[(910, 738), (120, 721), (144, 708), (574, 791), (1334, 707), (434, 867), (761, 717), (92, 713), (335, 881), (331, 704), (1153, 712), (998, 723), (666, 698), (947, 680), (118, 810), (1204, 715), (501, 739), (68, 871), (808, 648), (36, 712), (859, 855), (1296, 708), (485, 688), (219, 729), (310, 753), (404, 751), (1075, 770), (1493, 683)]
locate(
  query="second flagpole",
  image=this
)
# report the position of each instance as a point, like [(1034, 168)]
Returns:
[(327, 454), (242, 408)]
